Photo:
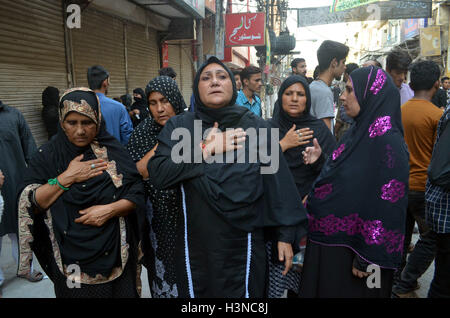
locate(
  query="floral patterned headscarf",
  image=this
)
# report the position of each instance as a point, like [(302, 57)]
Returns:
[(360, 198)]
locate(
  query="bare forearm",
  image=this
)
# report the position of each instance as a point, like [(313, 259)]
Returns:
[(283, 146), (120, 208), (47, 194)]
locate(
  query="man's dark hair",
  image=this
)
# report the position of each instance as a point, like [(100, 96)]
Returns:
[(126, 100), (236, 72), (423, 75), (96, 75), (350, 67), (316, 72), (167, 71), (398, 59), (249, 71), (445, 78), (295, 62), (329, 50), (378, 63)]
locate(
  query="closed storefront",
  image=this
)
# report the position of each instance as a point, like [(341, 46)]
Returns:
[(180, 59), (142, 55), (32, 56), (175, 59), (100, 41), (37, 51), (186, 72)]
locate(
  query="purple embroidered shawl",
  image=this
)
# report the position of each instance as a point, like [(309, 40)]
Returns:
[(359, 200)]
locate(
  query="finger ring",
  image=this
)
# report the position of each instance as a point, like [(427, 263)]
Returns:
[(93, 166), (299, 134)]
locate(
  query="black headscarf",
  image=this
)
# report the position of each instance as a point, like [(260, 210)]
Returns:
[(95, 249), (238, 192), (304, 175), (139, 91), (140, 104), (165, 212), (360, 198), (144, 137), (227, 117), (50, 102), (127, 101)]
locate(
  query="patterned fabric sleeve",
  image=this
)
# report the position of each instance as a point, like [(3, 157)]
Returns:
[(143, 139)]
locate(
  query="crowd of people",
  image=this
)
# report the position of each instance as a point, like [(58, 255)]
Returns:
[(216, 201)]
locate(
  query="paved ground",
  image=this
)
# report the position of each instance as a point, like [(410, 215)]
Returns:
[(15, 287)]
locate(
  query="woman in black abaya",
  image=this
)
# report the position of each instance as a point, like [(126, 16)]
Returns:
[(79, 206), (297, 128), (220, 247), (139, 109), (50, 102), (164, 210), (358, 203)]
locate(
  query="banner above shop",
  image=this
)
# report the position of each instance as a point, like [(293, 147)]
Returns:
[(381, 10), (410, 28), (342, 5), (245, 29)]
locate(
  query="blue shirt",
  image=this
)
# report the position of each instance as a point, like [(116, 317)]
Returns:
[(254, 107), (118, 122)]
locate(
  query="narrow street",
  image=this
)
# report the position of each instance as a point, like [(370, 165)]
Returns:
[(15, 287)]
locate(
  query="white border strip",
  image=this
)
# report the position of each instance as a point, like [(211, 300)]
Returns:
[(249, 256), (186, 247)]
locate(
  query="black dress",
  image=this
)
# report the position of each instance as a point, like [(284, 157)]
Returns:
[(220, 249), (163, 213), (226, 205), (163, 205), (357, 206), (328, 274), (304, 176), (105, 258)]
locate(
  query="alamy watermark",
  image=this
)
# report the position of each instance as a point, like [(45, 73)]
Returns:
[(374, 279), (260, 148), (74, 278), (74, 19)]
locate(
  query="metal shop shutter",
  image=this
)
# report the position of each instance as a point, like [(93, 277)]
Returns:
[(142, 56), (32, 56), (99, 41), (175, 60), (186, 73)]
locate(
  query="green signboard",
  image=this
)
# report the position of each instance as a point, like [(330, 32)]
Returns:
[(341, 5)]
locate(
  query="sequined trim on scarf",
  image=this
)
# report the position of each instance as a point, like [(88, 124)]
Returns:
[(97, 118), (393, 191), (373, 232), (390, 158), (323, 191), (82, 108), (380, 126), (338, 151), (26, 238), (85, 278), (24, 235), (102, 153), (379, 82)]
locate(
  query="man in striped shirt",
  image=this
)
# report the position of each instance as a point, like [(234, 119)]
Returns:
[(438, 216)]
